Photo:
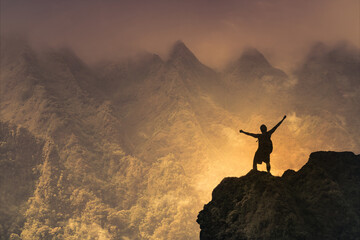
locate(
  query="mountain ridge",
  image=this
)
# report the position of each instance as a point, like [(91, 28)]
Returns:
[(130, 139)]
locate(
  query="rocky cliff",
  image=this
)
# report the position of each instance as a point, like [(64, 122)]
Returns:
[(320, 201)]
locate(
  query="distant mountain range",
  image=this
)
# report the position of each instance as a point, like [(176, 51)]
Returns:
[(132, 149)]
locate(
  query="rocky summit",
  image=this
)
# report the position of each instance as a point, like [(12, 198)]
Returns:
[(320, 201)]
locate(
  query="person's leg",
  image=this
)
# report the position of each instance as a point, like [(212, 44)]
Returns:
[(256, 156), (268, 167), (267, 161)]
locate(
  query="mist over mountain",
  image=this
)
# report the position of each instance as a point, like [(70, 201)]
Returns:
[(259, 83), (328, 86), (330, 71), (250, 62), (131, 149)]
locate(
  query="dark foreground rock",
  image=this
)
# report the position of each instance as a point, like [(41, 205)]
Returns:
[(320, 201)]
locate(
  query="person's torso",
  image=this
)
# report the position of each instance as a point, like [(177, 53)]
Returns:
[(265, 142)]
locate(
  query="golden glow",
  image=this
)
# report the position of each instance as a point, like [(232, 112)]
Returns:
[(145, 171)]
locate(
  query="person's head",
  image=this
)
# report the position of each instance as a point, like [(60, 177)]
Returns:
[(263, 128)]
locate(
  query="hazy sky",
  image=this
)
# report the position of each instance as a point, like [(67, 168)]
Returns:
[(214, 30)]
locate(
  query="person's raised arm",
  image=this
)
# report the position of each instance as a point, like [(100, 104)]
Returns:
[(250, 134), (277, 125)]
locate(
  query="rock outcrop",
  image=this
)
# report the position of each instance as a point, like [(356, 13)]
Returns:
[(320, 201)]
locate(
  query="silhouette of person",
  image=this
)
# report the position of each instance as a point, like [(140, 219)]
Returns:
[(265, 145)]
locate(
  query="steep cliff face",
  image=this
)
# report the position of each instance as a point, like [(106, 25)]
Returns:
[(320, 201), (23, 159)]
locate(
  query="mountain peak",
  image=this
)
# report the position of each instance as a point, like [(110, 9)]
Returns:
[(180, 52), (342, 51), (317, 50), (179, 46), (14, 48), (64, 56), (253, 56), (251, 61)]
